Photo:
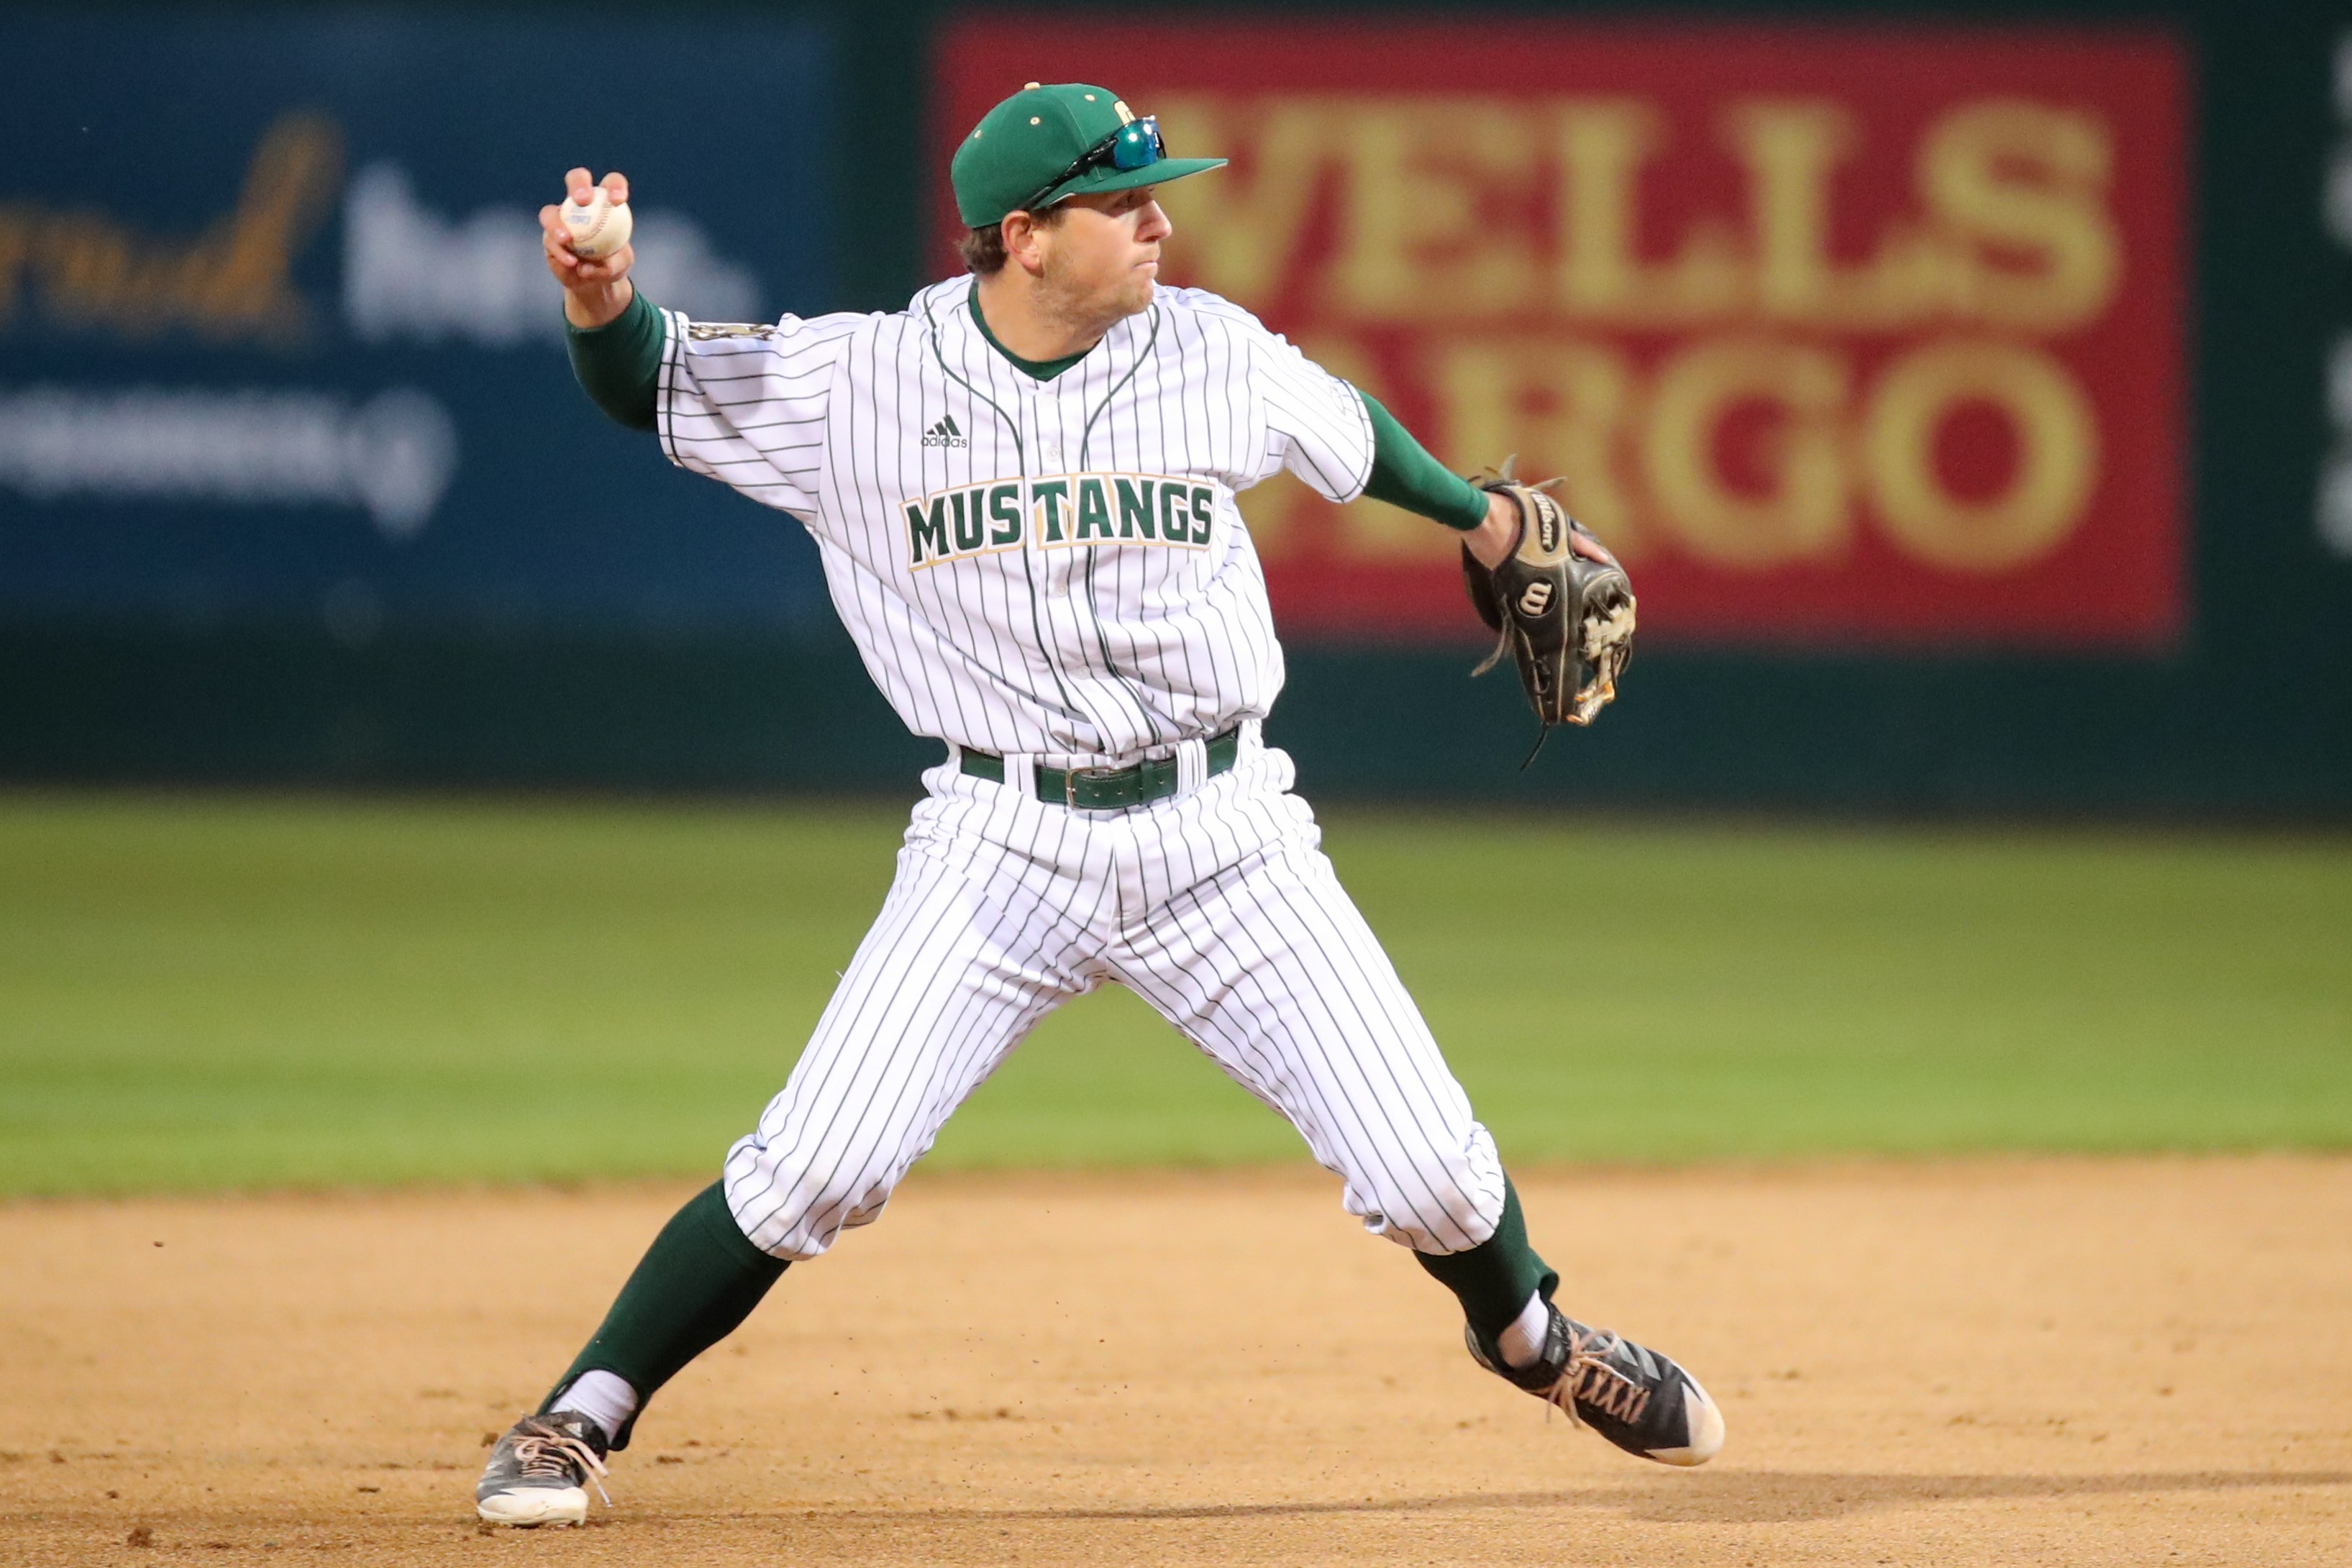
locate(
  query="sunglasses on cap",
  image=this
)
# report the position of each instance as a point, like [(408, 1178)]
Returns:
[(1137, 144)]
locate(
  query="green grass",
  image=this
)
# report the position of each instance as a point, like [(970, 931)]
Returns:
[(238, 992)]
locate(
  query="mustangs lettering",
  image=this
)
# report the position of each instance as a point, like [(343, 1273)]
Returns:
[(1066, 509), (1053, 566)]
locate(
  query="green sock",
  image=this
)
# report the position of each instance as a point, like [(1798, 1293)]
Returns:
[(698, 1280), (1494, 1280)]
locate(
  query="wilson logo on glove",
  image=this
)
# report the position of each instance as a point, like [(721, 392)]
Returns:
[(1547, 521)]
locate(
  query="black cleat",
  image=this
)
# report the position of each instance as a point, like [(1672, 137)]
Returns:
[(1636, 1398), (540, 1470)]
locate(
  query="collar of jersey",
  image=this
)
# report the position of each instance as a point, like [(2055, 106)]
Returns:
[(1043, 368)]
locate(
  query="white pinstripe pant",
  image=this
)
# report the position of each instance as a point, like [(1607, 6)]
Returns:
[(1215, 905)]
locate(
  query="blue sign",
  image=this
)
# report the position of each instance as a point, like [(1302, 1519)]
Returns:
[(278, 341)]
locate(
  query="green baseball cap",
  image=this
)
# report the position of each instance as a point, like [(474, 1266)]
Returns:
[(1046, 142)]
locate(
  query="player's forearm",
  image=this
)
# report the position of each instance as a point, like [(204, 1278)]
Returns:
[(1405, 475), (618, 365)]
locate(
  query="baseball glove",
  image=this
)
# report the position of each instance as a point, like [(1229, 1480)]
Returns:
[(1565, 616)]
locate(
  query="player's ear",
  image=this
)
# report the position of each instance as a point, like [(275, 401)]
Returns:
[(1024, 241)]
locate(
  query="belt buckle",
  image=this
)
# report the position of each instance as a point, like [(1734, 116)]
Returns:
[(1092, 775)]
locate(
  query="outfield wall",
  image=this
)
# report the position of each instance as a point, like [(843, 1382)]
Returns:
[(1960, 387)]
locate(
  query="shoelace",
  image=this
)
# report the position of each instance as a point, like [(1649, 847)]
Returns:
[(1624, 1398), (544, 1453)]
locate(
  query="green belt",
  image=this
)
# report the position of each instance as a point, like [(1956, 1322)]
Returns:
[(1109, 789)]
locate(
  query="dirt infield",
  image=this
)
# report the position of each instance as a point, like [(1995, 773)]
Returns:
[(2060, 1362)]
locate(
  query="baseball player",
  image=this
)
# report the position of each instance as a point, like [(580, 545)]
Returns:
[(1022, 487)]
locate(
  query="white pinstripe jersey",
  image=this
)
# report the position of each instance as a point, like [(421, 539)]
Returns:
[(1054, 568)]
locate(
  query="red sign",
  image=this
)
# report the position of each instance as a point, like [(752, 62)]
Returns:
[(1856, 334)]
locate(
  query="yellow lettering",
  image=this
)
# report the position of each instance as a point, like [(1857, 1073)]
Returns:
[(1802, 512), (2057, 437), (236, 281), (1237, 234), (17, 230), (2019, 189), (1425, 224), (1560, 405), (241, 274), (1748, 451), (1791, 148), (1602, 144), (83, 263)]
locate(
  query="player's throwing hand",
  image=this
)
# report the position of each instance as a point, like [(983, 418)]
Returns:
[(595, 291)]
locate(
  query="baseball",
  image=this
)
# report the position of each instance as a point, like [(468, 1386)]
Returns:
[(597, 229)]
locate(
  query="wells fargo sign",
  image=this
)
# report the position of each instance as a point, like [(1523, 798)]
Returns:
[(1836, 334)]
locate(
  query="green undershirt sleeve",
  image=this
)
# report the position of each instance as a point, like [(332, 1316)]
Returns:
[(1405, 475), (618, 365)]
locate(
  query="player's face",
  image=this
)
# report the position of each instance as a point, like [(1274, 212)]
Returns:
[(1103, 257)]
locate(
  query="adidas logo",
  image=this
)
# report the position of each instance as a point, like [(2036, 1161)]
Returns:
[(945, 434)]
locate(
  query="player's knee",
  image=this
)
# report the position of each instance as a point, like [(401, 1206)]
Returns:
[(793, 1211), (1451, 1220), (1443, 1200)]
